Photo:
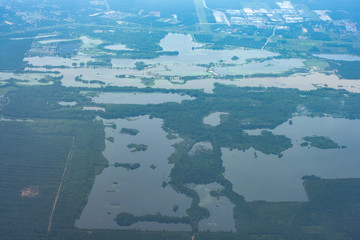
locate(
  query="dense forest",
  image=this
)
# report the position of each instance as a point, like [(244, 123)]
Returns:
[(267, 108)]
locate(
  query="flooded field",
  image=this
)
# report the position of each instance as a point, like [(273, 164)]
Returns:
[(268, 177), (63, 103), (55, 41), (191, 61), (90, 42), (220, 208), (138, 191), (269, 66), (341, 57), (140, 98), (213, 119), (27, 78), (117, 47), (192, 52)]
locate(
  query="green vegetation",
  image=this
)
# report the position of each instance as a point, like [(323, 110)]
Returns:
[(127, 219), (320, 142), (129, 131), (148, 81), (346, 69), (233, 40), (171, 136), (128, 166), (175, 208), (33, 154), (202, 16), (12, 53), (316, 64), (202, 167), (102, 63), (140, 66), (333, 208), (137, 147), (79, 79), (33, 157)]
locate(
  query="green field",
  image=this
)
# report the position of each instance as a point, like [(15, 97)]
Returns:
[(202, 16)]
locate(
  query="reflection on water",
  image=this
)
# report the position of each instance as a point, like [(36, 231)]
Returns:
[(220, 208), (186, 63), (191, 52), (267, 177), (92, 108), (341, 57), (213, 119), (140, 98), (269, 66), (200, 146), (63, 103), (138, 191), (117, 47)]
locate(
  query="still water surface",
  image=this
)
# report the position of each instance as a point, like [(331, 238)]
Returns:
[(267, 177), (220, 208), (138, 191), (140, 98), (214, 119), (339, 57)]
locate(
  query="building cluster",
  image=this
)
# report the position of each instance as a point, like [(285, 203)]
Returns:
[(286, 13)]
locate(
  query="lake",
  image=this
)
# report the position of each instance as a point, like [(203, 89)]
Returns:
[(275, 66), (117, 47), (270, 178), (220, 208), (214, 119), (138, 191)]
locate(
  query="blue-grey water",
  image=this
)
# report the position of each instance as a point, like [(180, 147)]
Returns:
[(270, 178)]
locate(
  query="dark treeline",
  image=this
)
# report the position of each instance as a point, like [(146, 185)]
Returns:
[(346, 69), (12, 53), (247, 108), (237, 41)]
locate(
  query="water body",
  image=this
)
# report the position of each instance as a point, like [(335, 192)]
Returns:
[(117, 47), (71, 104), (94, 109), (200, 146), (15, 120), (213, 119), (138, 191), (140, 98), (55, 41), (36, 37), (27, 78), (339, 57), (267, 177), (221, 209), (90, 42), (191, 52), (269, 66), (49, 61)]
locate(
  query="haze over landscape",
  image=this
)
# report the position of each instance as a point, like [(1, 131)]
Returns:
[(192, 119)]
